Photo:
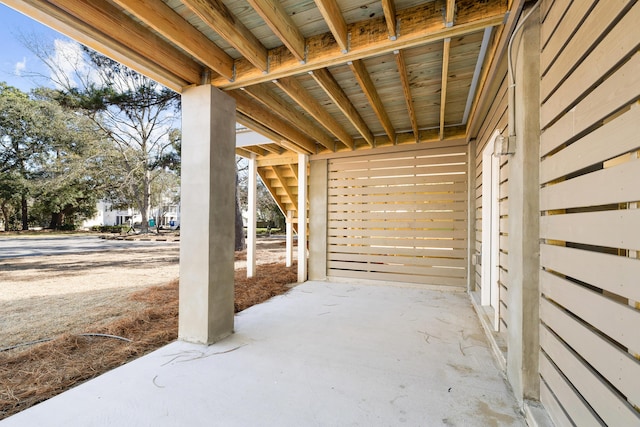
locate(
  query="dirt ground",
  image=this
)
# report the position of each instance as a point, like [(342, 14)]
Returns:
[(44, 296), (99, 310)]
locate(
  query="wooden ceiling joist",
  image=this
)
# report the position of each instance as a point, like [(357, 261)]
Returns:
[(61, 21), (334, 19), (326, 81), (279, 106), (406, 89), (369, 89), (422, 24), (271, 148), (299, 94), (445, 77), (104, 17), (450, 13), (166, 22), (269, 134), (256, 149), (283, 159), (215, 14), (281, 24), (250, 108), (389, 10)]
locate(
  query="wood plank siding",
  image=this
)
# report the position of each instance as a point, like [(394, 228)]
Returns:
[(496, 119), (399, 216), (590, 221)]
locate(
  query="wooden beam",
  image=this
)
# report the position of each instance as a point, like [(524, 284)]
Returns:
[(334, 19), (450, 13), (421, 24), (243, 153), (64, 23), (256, 150), (104, 17), (283, 159), (279, 106), (281, 24), (369, 89), (246, 105), (271, 148), (283, 182), (389, 10), (166, 22), (217, 16), (445, 77), (268, 133), (299, 94), (404, 79), (326, 81)]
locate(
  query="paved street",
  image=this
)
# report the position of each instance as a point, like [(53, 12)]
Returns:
[(13, 247)]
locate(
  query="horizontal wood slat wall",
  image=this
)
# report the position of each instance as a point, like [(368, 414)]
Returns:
[(399, 217), (497, 118), (590, 223)]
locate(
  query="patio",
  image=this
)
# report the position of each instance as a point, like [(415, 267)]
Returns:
[(323, 354)]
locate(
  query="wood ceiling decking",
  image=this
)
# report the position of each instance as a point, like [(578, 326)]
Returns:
[(310, 76)]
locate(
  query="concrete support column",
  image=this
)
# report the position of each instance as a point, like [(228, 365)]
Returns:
[(289, 247), (251, 220), (303, 160), (208, 214), (524, 217), (318, 219)]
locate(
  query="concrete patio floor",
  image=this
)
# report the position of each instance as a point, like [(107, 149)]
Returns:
[(325, 354)]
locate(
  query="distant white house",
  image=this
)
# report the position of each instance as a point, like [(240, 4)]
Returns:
[(166, 216)]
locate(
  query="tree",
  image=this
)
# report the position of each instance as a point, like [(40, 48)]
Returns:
[(133, 112), (22, 126)]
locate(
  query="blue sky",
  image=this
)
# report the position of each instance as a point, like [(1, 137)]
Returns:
[(13, 53)]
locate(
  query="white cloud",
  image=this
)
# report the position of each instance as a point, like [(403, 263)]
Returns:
[(20, 67)]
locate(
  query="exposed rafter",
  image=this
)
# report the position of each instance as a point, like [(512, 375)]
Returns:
[(281, 24), (83, 32), (334, 19), (406, 89), (252, 109), (279, 106), (450, 13), (269, 134), (422, 25), (369, 89), (445, 77), (215, 14), (104, 16), (157, 15), (326, 81), (256, 149), (271, 148), (298, 93), (389, 10)]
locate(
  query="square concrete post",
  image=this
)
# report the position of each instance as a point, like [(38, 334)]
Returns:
[(303, 161), (251, 219), (318, 193), (208, 214), (524, 218)]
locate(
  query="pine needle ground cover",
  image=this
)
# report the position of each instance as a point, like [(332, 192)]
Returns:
[(34, 373)]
